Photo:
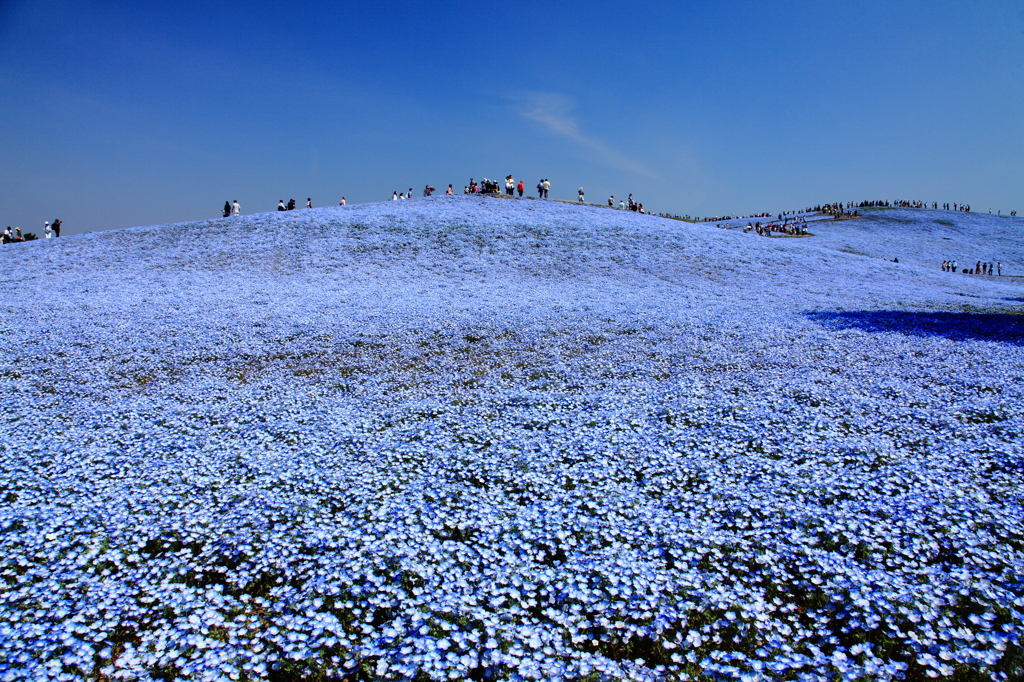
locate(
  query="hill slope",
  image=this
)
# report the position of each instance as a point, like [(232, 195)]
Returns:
[(464, 436)]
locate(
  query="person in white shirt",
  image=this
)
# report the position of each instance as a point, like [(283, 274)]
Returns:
[(46, 229), (394, 196), (309, 202), (236, 210), (342, 202)]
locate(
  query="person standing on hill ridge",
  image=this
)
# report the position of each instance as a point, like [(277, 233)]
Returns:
[(547, 188), (280, 205), (56, 227), (520, 188), (580, 192), (309, 202), (226, 211), (236, 210), (46, 229)]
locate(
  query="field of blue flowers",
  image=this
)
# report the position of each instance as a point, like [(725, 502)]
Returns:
[(468, 438)]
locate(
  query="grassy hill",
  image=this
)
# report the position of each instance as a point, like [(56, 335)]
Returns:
[(458, 437)]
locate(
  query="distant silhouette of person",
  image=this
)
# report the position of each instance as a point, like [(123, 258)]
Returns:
[(521, 188), (309, 202), (449, 192), (56, 228), (226, 211), (342, 202)]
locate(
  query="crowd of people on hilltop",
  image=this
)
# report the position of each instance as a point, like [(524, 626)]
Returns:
[(796, 227), (511, 188), (979, 268), (13, 235), (908, 203), (837, 210)]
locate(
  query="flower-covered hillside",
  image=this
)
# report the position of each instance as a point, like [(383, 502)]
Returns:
[(927, 238), (457, 437)]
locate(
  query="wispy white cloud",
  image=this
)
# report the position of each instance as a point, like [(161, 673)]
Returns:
[(553, 111)]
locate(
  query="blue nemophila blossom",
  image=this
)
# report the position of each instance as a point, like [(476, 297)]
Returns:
[(492, 439)]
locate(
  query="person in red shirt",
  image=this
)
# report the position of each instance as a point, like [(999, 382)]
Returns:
[(521, 187)]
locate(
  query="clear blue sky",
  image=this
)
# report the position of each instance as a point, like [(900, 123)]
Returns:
[(121, 114)]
